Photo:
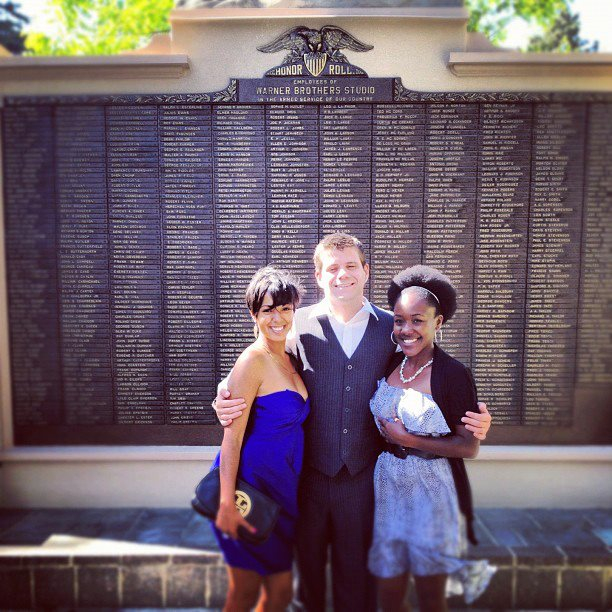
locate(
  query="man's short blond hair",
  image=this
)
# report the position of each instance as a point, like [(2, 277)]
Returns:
[(337, 241)]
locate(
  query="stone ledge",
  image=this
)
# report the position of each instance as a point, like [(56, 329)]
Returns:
[(44, 454), (539, 453), (561, 453), (229, 14), (517, 63), (193, 585), (546, 559), (94, 67), (199, 580), (182, 581)]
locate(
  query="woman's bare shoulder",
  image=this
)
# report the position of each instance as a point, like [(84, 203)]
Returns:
[(248, 372), (252, 358)]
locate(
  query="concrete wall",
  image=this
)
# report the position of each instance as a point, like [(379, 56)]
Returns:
[(502, 476), (414, 44)]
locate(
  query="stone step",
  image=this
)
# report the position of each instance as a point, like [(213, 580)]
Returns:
[(167, 558)]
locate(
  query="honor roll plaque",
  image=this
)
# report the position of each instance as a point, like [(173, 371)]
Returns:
[(134, 223)]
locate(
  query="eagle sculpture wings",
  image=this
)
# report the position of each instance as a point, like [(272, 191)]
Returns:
[(302, 40)]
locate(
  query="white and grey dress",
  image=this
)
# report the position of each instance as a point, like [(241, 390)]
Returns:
[(418, 527)]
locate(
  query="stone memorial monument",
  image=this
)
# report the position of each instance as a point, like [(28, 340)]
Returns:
[(135, 211)]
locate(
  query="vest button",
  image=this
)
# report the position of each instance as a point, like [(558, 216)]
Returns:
[(349, 367), (345, 431), (347, 410), (348, 388)]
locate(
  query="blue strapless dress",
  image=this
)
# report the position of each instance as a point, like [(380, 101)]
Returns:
[(271, 461)]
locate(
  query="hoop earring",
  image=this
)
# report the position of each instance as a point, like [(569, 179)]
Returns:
[(436, 335), (393, 340)]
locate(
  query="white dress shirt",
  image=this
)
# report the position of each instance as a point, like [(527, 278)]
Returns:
[(349, 334)]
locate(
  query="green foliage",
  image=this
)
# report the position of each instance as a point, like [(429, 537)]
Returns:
[(11, 24), (492, 17), (106, 27), (99, 27), (563, 36)]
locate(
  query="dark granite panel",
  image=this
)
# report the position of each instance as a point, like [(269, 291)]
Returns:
[(581, 589), (15, 591), (186, 586), (505, 195), (498, 595), (583, 557), (537, 555), (54, 587), (216, 586), (142, 586), (536, 588), (98, 587)]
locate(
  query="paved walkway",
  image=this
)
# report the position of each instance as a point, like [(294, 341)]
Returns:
[(155, 558), (569, 529)]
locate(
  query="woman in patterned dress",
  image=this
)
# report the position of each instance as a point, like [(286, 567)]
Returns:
[(423, 509)]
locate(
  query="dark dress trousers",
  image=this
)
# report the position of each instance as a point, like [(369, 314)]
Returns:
[(336, 497)]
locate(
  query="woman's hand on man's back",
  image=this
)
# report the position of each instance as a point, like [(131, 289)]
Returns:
[(478, 423)]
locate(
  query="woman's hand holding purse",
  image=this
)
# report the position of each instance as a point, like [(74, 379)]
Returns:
[(229, 520)]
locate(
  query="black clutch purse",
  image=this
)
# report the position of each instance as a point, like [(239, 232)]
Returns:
[(256, 507)]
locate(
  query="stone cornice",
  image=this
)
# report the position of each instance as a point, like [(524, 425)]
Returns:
[(517, 63), (228, 14), (94, 67)]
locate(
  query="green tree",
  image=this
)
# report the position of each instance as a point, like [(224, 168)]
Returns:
[(492, 17), (564, 36), (98, 27), (11, 24)]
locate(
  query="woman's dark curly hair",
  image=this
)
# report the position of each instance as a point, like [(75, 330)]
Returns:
[(283, 287), (429, 280)]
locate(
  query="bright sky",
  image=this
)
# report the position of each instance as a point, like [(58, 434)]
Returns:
[(595, 24), (595, 16)]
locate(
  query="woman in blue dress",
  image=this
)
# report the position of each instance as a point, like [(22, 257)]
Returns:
[(423, 508), (265, 449)]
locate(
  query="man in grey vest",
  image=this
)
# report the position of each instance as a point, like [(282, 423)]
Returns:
[(344, 344)]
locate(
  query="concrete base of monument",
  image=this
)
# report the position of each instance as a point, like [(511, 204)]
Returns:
[(120, 477), (509, 476), (167, 558)]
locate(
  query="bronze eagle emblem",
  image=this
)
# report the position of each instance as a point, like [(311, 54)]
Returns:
[(315, 47)]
